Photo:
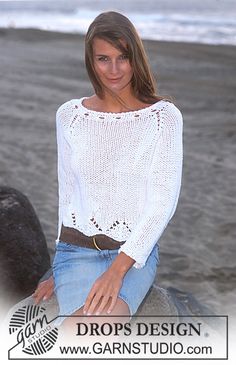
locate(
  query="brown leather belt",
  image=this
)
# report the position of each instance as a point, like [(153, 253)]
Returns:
[(98, 242)]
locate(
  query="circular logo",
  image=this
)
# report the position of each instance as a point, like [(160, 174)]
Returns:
[(34, 332)]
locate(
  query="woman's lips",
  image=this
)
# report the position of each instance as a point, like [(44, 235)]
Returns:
[(114, 80)]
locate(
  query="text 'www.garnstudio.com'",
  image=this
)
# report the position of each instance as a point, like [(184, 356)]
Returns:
[(149, 337)]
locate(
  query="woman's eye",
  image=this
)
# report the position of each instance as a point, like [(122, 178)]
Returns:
[(102, 59), (124, 57)]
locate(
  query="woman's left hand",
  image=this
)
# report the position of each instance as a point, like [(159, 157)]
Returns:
[(105, 288)]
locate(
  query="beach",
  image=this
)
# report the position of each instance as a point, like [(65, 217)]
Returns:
[(40, 70)]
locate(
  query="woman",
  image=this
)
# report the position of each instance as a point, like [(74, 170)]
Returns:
[(119, 177)]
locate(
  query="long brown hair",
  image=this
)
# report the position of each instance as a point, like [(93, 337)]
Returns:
[(114, 27)]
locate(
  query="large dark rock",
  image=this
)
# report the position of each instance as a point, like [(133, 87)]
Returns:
[(24, 256)]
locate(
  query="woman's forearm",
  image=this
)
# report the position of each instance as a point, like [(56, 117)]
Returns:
[(121, 264)]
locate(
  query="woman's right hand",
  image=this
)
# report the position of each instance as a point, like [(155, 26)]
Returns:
[(44, 290)]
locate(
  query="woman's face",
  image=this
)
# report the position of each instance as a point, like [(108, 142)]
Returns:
[(112, 67)]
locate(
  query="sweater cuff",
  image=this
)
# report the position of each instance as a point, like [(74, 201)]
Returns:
[(139, 262)]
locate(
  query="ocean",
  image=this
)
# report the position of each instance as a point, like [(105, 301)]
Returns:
[(209, 21)]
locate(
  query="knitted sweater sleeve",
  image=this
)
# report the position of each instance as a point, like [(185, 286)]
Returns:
[(163, 188), (65, 175)]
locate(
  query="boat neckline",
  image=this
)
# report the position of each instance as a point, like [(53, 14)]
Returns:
[(118, 113)]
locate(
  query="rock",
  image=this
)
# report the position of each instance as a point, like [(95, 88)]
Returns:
[(24, 256), (25, 262), (157, 302), (168, 305), (187, 305), (159, 297)]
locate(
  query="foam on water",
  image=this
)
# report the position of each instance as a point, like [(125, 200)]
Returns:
[(212, 25)]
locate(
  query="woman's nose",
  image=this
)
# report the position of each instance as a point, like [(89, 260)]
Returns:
[(114, 67)]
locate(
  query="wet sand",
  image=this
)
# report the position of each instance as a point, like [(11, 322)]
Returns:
[(41, 70)]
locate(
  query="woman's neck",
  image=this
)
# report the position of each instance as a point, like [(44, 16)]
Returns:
[(110, 104)]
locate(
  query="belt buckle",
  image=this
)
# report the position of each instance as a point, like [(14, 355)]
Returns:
[(94, 242)]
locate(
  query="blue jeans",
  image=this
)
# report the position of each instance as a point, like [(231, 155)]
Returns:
[(75, 269)]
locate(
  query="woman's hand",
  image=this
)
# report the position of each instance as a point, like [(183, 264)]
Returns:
[(107, 287), (44, 290)]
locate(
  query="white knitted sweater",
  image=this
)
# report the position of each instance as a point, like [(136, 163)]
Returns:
[(119, 174)]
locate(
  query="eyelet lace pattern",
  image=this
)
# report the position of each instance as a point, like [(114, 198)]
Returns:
[(119, 174)]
